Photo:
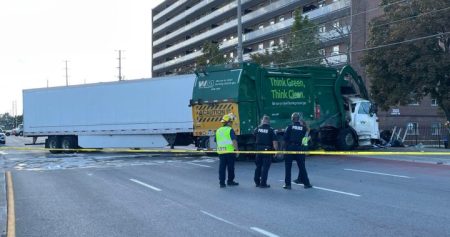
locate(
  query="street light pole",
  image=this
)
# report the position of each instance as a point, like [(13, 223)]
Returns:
[(239, 28)]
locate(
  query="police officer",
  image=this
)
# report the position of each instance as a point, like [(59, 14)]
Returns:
[(265, 141), (293, 138), (226, 144)]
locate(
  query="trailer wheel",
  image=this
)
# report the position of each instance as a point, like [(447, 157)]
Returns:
[(54, 142), (346, 140), (68, 143)]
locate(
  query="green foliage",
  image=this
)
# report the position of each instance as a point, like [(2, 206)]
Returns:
[(9, 122), (211, 55), (410, 71), (302, 47)]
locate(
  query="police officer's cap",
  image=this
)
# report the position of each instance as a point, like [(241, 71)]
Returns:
[(296, 116)]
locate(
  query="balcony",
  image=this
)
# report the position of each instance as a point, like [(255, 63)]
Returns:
[(336, 59), (231, 24), (253, 35), (183, 15), (323, 37), (198, 22), (182, 59), (336, 6), (169, 9), (332, 60)]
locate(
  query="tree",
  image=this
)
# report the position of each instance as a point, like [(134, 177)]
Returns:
[(211, 55), (406, 64), (9, 122), (302, 46)]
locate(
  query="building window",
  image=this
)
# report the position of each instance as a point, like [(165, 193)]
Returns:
[(281, 41), (260, 46), (412, 129), (272, 43), (414, 102), (434, 102), (336, 24), (261, 26), (436, 129), (281, 18), (272, 21), (335, 50), (231, 55), (322, 52), (321, 3), (322, 29)]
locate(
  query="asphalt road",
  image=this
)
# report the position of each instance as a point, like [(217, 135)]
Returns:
[(102, 194)]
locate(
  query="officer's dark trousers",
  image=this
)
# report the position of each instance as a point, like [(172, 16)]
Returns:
[(300, 159), (226, 163), (262, 168)]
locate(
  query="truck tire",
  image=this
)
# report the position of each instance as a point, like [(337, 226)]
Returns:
[(54, 142), (313, 143), (346, 140), (68, 143), (21, 134)]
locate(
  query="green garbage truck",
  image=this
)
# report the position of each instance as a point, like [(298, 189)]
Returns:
[(334, 103)]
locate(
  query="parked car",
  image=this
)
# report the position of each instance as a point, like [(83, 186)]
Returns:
[(2, 137), (7, 132), (18, 131)]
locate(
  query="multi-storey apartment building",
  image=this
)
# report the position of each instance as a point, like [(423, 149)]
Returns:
[(180, 27)]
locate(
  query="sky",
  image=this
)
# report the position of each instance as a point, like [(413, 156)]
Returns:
[(37, 37)]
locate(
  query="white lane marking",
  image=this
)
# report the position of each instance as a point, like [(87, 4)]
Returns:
[(371, 172), (3, 153), (264, 232), (192, 163), (330, 190), (146, 185), (217, 218)]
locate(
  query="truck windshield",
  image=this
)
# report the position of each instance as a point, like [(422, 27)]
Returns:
[(364, 108)]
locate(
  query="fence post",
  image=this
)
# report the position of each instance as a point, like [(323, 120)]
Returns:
[(439, 137)]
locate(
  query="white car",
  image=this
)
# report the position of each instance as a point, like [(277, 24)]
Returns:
[(2, 137)]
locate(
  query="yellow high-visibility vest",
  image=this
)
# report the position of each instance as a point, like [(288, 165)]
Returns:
[(223, 139)]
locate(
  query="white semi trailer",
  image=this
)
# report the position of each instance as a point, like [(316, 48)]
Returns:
[(141, 113)]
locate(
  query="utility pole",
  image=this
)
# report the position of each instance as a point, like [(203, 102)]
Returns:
[(239, 28), (14, 112), (120, 65), (67, 75), (351, 33)]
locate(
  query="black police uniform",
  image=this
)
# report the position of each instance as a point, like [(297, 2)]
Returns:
[(265, 136), (293, 139)]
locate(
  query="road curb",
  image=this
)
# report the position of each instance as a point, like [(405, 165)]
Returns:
[(3, 204)]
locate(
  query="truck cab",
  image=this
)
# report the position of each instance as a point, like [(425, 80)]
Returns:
[(361, 117)]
